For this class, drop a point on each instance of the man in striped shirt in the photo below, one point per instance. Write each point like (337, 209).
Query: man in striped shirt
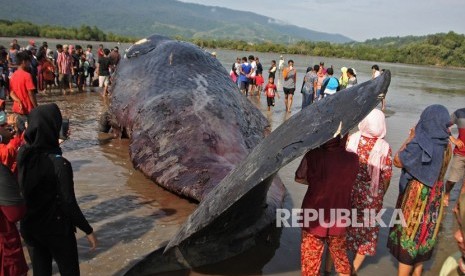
(65, 69)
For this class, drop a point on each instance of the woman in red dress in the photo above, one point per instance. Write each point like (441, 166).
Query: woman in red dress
(374, 176)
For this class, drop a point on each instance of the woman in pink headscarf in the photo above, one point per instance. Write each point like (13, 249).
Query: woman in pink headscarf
(372, 182)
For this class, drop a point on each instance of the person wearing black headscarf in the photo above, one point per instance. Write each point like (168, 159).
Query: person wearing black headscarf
(46, 180)
(423, 158)
(12, 209)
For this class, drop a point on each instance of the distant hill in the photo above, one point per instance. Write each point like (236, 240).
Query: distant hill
(140, 18)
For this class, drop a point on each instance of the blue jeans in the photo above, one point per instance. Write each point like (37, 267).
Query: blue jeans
(307, 99)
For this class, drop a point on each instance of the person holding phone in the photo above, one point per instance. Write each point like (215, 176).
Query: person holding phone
(46, 181)
(290, 79)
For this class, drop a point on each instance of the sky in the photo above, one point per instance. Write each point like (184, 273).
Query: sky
(359, 19)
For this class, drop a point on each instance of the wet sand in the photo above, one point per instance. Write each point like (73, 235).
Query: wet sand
(132, 216)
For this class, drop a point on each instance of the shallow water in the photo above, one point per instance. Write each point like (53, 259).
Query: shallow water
(132, 216)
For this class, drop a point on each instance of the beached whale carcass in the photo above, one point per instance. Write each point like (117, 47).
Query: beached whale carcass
(195, 134)
(189, 126)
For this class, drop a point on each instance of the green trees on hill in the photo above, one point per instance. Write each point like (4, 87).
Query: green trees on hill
(21, 28)
(442, 49)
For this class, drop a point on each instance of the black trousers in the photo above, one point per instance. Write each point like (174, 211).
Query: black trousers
(61, 248)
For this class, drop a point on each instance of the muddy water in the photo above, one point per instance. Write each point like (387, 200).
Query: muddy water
(132, 216)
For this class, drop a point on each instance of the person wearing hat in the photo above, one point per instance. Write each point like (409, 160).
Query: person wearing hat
(214, 54)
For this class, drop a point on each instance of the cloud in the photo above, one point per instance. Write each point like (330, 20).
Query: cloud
(277, 22)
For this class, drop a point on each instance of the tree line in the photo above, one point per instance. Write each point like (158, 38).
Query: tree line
(84, 32)
(442, 49)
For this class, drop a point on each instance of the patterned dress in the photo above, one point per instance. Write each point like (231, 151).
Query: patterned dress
(362, 240)
(422, 208)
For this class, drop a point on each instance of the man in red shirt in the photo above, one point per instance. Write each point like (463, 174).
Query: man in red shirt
(22, 87)
(100, 53)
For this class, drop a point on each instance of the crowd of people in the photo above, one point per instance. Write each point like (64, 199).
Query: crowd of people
(318, 82)
(364, 166)
(37, 186)
(65, 68)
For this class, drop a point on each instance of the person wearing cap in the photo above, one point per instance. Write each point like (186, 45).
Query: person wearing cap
(352, 75)
(214, 54)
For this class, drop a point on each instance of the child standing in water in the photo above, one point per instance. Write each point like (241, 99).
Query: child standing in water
(259, 82)
(270, 92)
